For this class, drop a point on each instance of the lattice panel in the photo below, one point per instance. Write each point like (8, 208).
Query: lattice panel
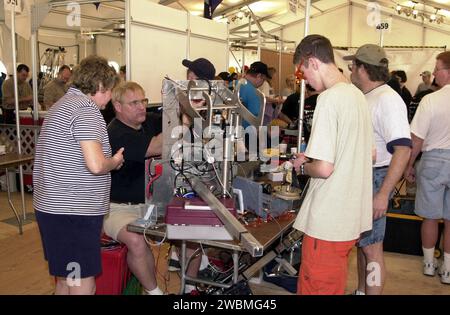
(8, 136)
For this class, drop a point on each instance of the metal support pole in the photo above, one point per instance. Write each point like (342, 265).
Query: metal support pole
(188, 35)
(301, 101)
(128, 39)
(228, 47)
(16, 101)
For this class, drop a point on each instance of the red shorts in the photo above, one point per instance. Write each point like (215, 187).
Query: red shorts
(323, 270)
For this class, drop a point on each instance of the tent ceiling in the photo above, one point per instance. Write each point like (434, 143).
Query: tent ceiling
(272, 15)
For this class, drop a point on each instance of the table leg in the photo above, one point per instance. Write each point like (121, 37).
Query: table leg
(183, 266)
(8, 188)
(235, 266)
(22, 193)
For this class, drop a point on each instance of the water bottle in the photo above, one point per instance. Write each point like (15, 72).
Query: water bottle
(303, 145)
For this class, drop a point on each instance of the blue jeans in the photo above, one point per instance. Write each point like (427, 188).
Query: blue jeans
(375, 235)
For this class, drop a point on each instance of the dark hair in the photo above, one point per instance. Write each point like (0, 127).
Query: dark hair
(23, 67)
(375, 73)
(64, 67)
(445, 58)
(395, 85)
(310, 88)
(92, 73)
(401, 74)
(316, 46)
(123, 69)
(224, 75)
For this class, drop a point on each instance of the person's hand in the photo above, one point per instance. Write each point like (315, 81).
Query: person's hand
(118, 159)
(300, 159)
(410, 174)
(380, 205)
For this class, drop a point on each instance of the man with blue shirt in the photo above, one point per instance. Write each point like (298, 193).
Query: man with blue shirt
(255, 76)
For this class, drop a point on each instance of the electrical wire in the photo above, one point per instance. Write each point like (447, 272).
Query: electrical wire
(149, 242)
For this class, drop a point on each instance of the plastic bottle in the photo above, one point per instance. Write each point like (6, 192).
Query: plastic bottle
(303, 145)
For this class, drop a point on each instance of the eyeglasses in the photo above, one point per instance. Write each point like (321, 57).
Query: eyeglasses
(298, 72)
(143, 102)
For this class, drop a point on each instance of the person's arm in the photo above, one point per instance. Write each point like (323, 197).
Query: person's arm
(417, 144)
(284, 117)
(96, 161)
(48, 99)
(155, 146)
(313, 168)
(395, 171)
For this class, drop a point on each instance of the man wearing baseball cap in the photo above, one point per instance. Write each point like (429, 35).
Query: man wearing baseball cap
(393, 146)
(255, 76)
(426, 84)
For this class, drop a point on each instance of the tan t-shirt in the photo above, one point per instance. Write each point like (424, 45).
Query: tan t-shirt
(23, 88)
(339, 208)
(53, 91)
(432, 120)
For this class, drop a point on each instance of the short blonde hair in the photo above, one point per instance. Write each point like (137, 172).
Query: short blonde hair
(120, 90)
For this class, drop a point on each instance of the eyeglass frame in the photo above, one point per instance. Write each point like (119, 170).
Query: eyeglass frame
(144, 101)
(437, 70)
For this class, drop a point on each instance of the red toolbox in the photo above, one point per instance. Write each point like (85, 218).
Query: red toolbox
(193, 219)
(115, 272)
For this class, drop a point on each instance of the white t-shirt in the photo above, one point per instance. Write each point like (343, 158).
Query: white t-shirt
(432, 120)
(339, 208)
(390, 122)
(265, 88)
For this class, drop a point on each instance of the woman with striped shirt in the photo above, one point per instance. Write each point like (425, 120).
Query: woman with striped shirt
(71, 177)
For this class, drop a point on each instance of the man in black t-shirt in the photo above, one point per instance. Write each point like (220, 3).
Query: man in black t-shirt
(140, 135)
(290, 109)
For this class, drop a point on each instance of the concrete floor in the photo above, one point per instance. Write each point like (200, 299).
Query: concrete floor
(23, 269)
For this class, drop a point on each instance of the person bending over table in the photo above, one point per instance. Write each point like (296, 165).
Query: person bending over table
(71, 178)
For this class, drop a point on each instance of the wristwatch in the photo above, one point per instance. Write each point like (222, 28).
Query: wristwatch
(302, 169)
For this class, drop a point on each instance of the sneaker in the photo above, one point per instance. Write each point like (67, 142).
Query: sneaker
(174, 265)
(445, 275)
(357, 292)
(429, 269)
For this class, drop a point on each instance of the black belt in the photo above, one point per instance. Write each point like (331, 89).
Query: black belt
(380, 167)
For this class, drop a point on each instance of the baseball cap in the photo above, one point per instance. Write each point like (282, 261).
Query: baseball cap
(426, 73)
(259, 67)
(202, 68)
(370, 54)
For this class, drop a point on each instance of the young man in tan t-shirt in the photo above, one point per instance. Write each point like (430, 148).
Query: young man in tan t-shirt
(338, 158)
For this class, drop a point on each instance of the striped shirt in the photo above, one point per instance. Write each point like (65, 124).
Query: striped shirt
(62, 182)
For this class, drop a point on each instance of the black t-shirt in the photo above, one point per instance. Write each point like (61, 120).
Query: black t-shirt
(128, 183)
(290, 105)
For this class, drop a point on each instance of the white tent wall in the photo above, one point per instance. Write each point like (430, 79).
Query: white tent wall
(244, 57)
(69, 40)
(112, 48)
(5, 42)
(54, 39)
(159, 42)
(336, 23)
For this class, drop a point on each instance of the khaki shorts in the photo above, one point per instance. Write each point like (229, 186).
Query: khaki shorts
(120, 215)
(433, 185)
